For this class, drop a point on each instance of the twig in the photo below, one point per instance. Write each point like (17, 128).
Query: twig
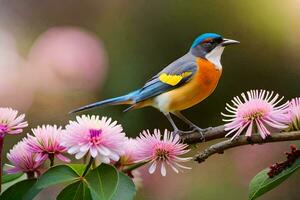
(133, 167)
(87, 168)
(243, 140)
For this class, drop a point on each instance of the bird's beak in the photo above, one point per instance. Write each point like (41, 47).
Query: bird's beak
(229, 42)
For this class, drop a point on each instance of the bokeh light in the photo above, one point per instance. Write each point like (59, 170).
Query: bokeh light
(14, 84)
(68, 58)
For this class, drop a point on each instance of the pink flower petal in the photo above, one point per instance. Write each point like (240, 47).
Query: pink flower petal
(23, 160)
(10, 123)
(160, 149)
(63, 158)
(163, 170)
(257, 107)
(102, 138)
(152, 168)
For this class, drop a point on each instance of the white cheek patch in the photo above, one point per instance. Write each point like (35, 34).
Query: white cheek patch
(215, 56)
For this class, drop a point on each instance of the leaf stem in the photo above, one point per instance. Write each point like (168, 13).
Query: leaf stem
(84, 159)
(51, 158)
(88, 166)
(133, 167)
(30, 175)
(1, 147)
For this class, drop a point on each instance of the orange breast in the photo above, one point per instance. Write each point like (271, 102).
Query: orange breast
(201, 86)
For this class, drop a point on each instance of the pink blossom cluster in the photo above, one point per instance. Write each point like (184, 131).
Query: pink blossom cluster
(30, 154)
(97, 137)
(104, 139)
(101, 138)
(260, 111)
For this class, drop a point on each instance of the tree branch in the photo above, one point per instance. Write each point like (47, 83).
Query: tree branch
(212, 134)
(219, 132)
(242, 140)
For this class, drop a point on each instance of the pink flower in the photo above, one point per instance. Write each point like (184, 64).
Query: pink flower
(102, 138)
(22, 159)
(10, 123)
(294, 114)
(130, 151)
(256, 110)
(46, 143)
(161, 151)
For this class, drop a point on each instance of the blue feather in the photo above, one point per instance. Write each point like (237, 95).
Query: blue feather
(111, 101)
(204, 36)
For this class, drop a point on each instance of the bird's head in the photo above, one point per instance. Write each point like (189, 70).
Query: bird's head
(210, 46)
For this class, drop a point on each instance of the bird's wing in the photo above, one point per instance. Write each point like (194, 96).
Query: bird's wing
(173, 76)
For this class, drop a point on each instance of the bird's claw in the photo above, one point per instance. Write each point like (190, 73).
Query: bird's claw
(181, 133)
(208, 129)
(202, 131)
(194, 129)
(202, 134)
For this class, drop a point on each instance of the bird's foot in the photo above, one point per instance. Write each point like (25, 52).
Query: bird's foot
(194, 129)
(202, 131)
(181, 133)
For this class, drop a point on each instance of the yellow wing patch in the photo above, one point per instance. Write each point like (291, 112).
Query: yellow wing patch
(173, 79)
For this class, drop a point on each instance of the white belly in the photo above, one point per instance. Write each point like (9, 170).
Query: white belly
(162, 102)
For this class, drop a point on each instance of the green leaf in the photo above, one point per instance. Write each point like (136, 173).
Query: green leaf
(102, 182)
(261, 183)
(126, 189)
(10, 177)
(5, 186)
(24, 190)
(57, 175)
(76, 191)
(78, 168)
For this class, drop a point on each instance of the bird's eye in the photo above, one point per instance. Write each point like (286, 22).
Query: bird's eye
(208, 43)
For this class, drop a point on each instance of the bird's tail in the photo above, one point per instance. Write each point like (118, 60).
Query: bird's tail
(125, 99)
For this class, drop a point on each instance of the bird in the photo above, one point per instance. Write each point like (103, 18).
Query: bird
(180, 85)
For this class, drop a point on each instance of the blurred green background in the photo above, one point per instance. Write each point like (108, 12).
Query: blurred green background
(58, 55)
